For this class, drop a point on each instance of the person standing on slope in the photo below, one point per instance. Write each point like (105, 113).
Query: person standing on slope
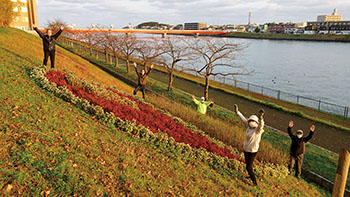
(297, 148)
(202, 105)
(49, 42)
(142, 80)
(255, 128)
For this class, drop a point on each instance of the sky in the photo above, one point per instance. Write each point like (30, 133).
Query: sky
(83, 13)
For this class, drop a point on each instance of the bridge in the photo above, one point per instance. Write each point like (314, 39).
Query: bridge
(149, 31)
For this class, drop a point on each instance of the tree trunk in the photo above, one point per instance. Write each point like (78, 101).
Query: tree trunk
(127, 64)
(171, 77)
(171, 80)
(91, 51)
(206, 90)
(106, 56)
(116, 60)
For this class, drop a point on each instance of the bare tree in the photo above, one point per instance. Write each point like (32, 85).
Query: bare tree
(102, 42)
(148, 51)
(90, 39)
(128, 47)
(56, 25)
(214, 53)
(174, 51)
(113, 43)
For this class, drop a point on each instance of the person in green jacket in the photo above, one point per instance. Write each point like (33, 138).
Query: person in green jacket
(202, 105)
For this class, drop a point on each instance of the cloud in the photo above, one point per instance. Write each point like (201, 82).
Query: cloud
(121, 12)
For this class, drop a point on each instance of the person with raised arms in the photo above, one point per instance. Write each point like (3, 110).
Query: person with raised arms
(142, 80)
(202, 105)
(49, 42)
(255, 128)
(297, 148)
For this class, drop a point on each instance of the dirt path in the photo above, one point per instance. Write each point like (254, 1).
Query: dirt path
(327, 137)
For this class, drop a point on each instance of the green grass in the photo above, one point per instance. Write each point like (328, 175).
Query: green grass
(48, 146)
(316, 160)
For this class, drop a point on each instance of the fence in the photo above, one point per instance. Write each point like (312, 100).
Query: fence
(281, 95)
(277, 94)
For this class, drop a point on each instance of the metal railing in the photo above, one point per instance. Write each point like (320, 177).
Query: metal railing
(281, 95)
(269, 92)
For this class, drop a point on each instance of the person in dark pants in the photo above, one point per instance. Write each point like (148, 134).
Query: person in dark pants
(255, 128)
(49, 42)
(297, 149)
(142, 80)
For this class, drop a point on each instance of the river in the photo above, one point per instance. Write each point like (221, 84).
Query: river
(318, 70)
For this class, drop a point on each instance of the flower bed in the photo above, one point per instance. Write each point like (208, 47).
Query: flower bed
(155, 126)
(153, 119)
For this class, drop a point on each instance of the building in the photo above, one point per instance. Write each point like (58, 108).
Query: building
(26, 14)
(195, 26)
(281, 27)
(326, 18)
(330, 27)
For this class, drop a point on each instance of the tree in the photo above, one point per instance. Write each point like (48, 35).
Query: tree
(257, 30)
(128, 47)
(148, 51)
(214, 53)
(56, 25)
(174, 51)
(113, 43)
(90, 39)
(7, 14)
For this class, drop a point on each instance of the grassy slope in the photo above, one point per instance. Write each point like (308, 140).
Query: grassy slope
(316, 159)
(333, 120)
(48, 145)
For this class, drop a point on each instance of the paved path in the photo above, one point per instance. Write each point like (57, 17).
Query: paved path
(327, 137)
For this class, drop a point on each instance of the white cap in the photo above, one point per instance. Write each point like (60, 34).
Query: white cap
(202, 98)
(254, 118)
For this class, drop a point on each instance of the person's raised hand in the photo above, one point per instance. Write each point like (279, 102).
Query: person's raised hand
(135, 65)
(62, 27)
(261, 113)
(291, 123)
(236, 108)
(312, 128)
(193, 97)
(152, 66)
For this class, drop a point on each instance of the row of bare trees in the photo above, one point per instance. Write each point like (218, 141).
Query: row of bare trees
(173, 53)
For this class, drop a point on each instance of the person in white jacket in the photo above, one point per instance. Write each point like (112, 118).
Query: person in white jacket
(255, 128)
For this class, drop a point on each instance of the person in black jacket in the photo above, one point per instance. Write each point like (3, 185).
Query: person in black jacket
(297, 148)
(49, 42)
(142, 80)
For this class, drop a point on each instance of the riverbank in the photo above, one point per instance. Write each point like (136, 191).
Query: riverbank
(317, 160)
(293, 37)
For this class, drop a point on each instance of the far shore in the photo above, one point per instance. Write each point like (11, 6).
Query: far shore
(317, 38)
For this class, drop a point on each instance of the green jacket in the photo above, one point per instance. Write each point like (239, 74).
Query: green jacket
(202, 107)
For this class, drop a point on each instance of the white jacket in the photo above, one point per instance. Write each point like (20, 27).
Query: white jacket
(252, 136)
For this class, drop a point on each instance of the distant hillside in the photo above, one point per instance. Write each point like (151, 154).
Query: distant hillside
(151, 24)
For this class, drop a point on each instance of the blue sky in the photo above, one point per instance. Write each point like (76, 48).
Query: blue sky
(83, 13)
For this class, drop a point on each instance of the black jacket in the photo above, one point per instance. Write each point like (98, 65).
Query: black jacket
(298, 144)
(48, 42)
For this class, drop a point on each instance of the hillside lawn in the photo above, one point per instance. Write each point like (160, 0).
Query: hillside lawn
(48, 146)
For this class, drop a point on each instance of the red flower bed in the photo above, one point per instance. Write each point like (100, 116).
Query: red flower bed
(155, 120)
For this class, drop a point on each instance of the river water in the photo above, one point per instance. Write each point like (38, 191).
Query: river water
(318, 70)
